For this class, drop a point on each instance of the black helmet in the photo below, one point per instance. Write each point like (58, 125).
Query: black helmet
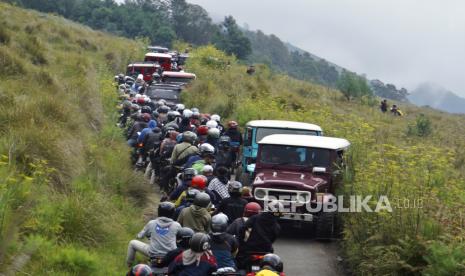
(166, 209)
(191, 194)
(199, 243)
(224, 141)
(171, 116)
(140, 270)
(235, 187)
(219, 223)
(188, 174)
(155, 114)
(146, 109)
(202, 200)
(183, 237)
(163, 109)
(272, 261)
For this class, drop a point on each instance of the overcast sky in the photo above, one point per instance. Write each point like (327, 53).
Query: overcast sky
(404, 42)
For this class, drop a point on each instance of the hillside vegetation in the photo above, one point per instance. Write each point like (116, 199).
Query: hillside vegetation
(422, 175)
(68, 198)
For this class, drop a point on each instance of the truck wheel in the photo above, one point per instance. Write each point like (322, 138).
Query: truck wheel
(325, 228)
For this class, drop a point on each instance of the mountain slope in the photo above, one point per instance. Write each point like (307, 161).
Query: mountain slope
(67, 193)
(435, 96)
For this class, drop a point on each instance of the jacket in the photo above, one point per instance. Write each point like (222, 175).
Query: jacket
(196, 218)
(162, 233)
(183, 151)
(189, 263)
(263, 230)
(224, 246)
(233, 207)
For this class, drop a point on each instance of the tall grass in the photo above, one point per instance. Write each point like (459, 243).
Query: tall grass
(422, 175)
(68, 197)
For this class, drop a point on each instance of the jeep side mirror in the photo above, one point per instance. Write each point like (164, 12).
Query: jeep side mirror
(319, 170)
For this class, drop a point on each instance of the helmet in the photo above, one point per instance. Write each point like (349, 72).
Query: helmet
(219, 223)
(163, 109)
(187, 113)
(235, 187)
(183, 236)
(146, 117)
(252, 208)
(207, 169)
(166, 209)
(188, 174)
(195, 114)
(155, 76)
(225, 141)
(202, 130)
(189, 137)
(206, 149)
(127, 104)
(171, 116)
(191, 194)
(140, 270)
(135, 107)
(214, 133)
(232, 124)
(180, 107)
(274, 207)
(199, 182)
(146, 109)
(199, 242)
(195, 109)
(212, 124)
(216, 117)
(173, 134)
(140, 100)
(177, 114)
(202, 200)
(272, 261)
(155, 114)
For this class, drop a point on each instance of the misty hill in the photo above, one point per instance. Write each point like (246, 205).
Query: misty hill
(438, 97)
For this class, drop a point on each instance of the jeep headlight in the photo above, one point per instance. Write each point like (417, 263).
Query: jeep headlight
(303, 197)
(260, 194)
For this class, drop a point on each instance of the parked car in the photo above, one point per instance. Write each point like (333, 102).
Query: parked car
(302, 172)
(257, 130)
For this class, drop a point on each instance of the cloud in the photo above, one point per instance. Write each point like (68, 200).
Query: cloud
(404, 42)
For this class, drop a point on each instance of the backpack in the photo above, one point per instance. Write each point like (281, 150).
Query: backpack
(167, 149)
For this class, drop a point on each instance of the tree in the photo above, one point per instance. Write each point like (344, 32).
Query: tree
(353, 86)
(231, 39)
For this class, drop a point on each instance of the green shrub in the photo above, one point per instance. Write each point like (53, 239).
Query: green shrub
(422, 126)
(445, 259)
(74, 261)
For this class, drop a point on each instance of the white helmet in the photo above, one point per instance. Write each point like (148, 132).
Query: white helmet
(206, 148)
(187, 113)
(140, 77)
(212, 124)
(214, 133)
(176, 114)
(180, 107)
(215, 117)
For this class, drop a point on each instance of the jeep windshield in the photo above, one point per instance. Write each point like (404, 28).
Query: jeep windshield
(165, 94)
(262, 132)
(281, 155)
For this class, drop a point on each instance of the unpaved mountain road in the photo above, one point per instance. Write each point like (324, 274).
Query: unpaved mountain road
(303, 256)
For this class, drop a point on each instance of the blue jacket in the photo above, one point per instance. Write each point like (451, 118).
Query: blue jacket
(152, 125)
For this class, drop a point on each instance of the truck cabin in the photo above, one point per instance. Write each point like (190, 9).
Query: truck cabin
(157, 49)
(298, 162)
(147, 69)
(258, 129)
(163, 59)
(181, 78)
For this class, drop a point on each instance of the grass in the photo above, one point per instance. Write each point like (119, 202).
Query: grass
(69, 201)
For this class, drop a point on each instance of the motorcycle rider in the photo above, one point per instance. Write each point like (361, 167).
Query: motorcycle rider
(250, 209)
(219, 184)
(223, 245)
(236, 138)
(186, 178)
(185, 124)
(185, 149)
(198, 182)
(183, 238)
(213, 137)
(234, 205)
(217, 118)
(224, 154)
(139, 125)
(208, 158)
(271, 265)
(197, 216)
(198, 260)
(161, 232)
(204, 149)
(260, 232)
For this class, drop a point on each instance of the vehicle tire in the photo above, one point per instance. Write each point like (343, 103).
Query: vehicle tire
(325, 228)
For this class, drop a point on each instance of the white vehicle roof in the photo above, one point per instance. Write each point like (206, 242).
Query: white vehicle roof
(322, 142)
(283, 124)
(160, 55)
(175, 74)
(144, 64)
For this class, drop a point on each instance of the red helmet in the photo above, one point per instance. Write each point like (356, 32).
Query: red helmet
(146, 117)
(232, 124)
(199, 182)
(202, 130)
(252, 208)
(140, 100)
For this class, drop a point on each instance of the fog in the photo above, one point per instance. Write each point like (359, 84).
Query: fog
(404, 42)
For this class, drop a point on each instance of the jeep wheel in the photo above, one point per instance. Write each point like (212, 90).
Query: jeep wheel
(325, 228)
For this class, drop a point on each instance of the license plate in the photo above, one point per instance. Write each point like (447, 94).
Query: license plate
(255, 268)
